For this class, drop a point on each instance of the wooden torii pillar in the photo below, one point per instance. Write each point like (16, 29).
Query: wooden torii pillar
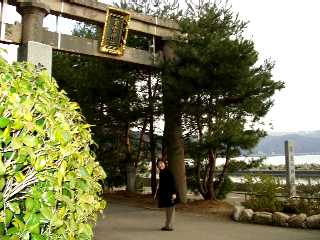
(36, 45)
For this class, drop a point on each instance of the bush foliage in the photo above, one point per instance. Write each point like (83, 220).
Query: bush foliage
(263, 190)
(49, 179)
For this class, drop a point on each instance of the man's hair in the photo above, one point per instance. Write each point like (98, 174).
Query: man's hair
(160, 160)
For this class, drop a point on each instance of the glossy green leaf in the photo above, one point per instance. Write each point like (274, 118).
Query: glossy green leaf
(33, 223)
(22, 158)
(29, 202)
(8, 155)
(8, 216)
(83, 185)
(40, 123)
(50, 140)
(48, 198)
(4, 122)
(38, 237)
(2, 228)
(14, 232)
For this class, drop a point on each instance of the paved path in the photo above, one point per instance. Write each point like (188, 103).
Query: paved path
(130, 223)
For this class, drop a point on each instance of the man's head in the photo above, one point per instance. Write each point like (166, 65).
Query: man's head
(161, 164)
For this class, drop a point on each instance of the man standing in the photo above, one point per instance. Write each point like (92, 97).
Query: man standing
(167, 194)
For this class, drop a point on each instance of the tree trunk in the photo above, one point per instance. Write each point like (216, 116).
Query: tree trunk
(131, 170)
(173, 148)
(223, 174)
(151, 98)
(199, 181)
(140, 146)
(202, 188)
(210, 182)
(153, 159)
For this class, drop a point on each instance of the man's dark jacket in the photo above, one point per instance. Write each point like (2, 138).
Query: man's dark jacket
(167, 187)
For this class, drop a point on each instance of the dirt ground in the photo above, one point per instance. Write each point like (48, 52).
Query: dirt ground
(193, 206)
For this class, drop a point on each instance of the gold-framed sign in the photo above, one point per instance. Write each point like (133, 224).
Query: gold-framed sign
(115, 31)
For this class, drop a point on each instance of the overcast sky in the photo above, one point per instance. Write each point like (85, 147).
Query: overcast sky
(288, 32)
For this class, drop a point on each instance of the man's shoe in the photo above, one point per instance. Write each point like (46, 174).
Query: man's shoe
(166, 229)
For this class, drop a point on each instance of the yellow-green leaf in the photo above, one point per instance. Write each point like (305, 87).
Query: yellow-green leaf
(2, 167)
(40, 163)
(2, 183)
(20, 177)
(16, 143)
(28, 117)
(6, 135)
(47, 213)
(83, 172)
(62, 136)
(18, 224)
(30, 141)
(85, 229)
(14, 207)
(17, 125)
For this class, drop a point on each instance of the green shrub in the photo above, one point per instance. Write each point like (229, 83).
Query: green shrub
(309, 190)
(263, 190)
(226, 187)
(49, 180)
(308, 206)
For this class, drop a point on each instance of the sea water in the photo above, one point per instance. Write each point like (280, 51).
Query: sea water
(280, 160)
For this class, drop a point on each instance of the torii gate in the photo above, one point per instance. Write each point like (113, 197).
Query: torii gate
(34, 11)
(37, 43)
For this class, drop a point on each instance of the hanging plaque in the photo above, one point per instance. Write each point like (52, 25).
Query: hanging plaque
(115, 32)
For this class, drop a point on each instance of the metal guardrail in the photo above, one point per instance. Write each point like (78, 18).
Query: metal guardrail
(276, 173)
(246, 194)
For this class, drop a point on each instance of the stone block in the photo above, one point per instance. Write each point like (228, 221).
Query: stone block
(297, 221)
(262, 218)
(237, 212)
(246, 215)
(280, 219)
(313, 221)
(37, 53)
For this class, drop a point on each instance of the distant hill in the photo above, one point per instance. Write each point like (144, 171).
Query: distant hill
(304, 143)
